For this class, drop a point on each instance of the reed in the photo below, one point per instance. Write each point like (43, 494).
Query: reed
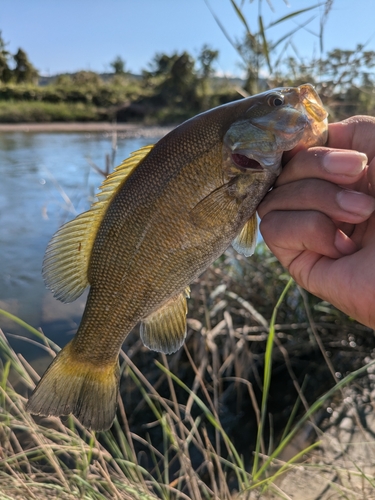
(177, 434)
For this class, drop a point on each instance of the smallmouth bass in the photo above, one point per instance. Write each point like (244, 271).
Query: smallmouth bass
(161, 218)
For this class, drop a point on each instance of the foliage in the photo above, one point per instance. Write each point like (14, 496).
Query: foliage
(186, 424)
(85, 87)
(5, 71)
(34, 111)
(118, 66)
(206, 58)
(23, 72)
(260, 54)
(177, 86)
(345, 80)
(173, 79)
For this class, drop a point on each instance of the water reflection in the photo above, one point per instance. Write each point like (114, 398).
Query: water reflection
(46, 179)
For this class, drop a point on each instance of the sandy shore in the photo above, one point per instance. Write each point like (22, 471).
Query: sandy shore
(128, 129)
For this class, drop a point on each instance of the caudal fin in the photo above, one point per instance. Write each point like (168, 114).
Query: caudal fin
(88, 390)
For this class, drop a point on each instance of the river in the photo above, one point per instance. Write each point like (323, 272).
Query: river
(46, 180)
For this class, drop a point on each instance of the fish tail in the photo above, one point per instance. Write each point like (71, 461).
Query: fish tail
(84, 388)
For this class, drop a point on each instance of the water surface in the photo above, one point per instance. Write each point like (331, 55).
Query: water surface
(46, 180)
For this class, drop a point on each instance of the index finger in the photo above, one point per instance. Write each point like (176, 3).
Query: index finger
(357, 132)
(339, 166)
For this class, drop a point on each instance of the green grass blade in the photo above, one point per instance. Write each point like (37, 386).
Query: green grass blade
(211, 418)
(285, 467)
(242, 19)
(267, 375)
(221, 26)
(291, 33)
(266, 51)
(293, 14)
(314, 407)
(30, 328)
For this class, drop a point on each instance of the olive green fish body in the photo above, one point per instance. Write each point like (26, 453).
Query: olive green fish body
(158, 248)
(161, 219)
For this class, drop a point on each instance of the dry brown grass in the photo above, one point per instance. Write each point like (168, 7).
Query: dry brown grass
(187, 424)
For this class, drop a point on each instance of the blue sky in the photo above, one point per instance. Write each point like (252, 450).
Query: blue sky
(69, 35)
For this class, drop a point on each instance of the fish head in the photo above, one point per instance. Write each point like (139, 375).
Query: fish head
(270, 123)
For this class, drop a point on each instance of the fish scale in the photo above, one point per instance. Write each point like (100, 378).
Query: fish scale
(162, 217)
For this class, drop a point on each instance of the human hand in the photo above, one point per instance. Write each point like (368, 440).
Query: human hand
(319, 219)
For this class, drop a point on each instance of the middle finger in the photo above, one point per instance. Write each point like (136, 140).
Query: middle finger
(340, 204)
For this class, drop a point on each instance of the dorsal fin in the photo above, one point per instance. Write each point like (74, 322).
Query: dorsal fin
(68, 253)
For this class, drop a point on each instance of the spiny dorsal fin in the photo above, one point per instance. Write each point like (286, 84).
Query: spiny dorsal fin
(165, 329)
(246, 241)
(68, 253)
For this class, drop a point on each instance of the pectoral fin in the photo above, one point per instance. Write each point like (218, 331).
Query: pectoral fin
(246, 241)
(165, 329)
(216, 209)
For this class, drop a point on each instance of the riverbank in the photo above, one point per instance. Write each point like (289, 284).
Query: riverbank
(128, 129)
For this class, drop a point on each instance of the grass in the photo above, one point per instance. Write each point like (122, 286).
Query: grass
(36, 111)
(201, 424)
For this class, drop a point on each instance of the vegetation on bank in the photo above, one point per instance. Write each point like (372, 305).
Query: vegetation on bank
(210, 421)
(177, 86)
(174, 88)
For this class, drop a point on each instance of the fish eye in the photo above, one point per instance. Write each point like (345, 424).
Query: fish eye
(276, 100)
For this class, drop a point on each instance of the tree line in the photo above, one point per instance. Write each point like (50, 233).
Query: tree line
(176, 86)
(173, 87)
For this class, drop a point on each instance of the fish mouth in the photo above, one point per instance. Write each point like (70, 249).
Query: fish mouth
(311, 105)
(245, 163)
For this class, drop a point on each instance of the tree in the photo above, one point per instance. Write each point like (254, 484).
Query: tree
(180, 84)
(84, 78)
(5, 71)
(24, 72)
(118, 66)
(160, 65)
(206, 58)
(174, 78)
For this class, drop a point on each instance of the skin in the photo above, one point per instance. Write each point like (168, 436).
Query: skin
(319, 219)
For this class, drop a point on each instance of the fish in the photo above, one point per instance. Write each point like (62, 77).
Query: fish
(160, 219)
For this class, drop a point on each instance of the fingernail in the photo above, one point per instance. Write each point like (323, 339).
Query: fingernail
(344, 162)
(356, 203)
(344, 244)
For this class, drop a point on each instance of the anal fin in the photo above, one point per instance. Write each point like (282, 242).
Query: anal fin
(165, 329)
(246, 241)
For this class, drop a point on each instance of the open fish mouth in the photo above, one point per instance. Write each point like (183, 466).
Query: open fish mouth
(245, 163)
